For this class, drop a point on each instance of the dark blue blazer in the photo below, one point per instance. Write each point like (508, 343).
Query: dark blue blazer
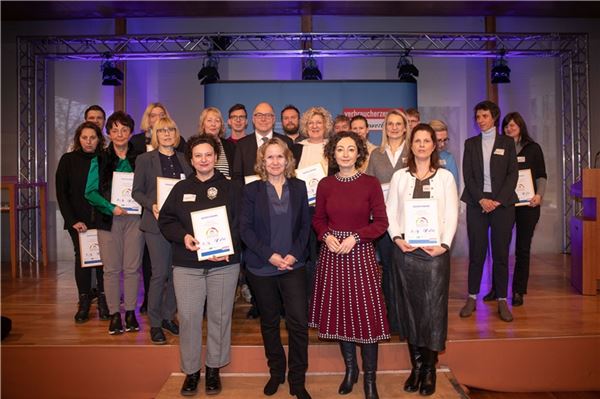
(255, 222)
(504, 171)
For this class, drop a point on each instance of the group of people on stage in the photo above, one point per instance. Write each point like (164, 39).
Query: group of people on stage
(313, 262)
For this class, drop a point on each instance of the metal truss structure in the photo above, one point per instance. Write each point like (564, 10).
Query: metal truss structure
(34, 52)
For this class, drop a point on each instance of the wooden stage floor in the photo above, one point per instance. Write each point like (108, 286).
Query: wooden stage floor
(552, 345)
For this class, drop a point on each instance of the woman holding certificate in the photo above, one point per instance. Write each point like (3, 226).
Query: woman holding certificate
(71, 176)
(383, 162)
(274, 225)
(211, 122)
(529, 157)
(155, 171)
(200, 219)
(422, 206)
(347, 303)
(108, 190)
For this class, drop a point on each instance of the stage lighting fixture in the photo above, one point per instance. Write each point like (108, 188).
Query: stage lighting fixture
(111, 75)
(406, 70)
(500, 70)
(310, 71)
(209, 72)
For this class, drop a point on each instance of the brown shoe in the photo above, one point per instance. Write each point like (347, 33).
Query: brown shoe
(504, 312)
(469, 308)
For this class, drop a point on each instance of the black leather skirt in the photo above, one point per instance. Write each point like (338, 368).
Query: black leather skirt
(421, 283)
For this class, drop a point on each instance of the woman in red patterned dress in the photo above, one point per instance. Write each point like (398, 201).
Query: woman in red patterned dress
(347, 303)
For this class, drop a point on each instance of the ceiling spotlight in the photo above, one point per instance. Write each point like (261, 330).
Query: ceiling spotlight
(111, 75)
(500, 70)
(406, 70)
(310, 71)
(209, 72)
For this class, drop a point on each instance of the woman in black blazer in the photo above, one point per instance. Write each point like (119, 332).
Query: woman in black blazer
(274, 225)
(164, 161)
(211, 122)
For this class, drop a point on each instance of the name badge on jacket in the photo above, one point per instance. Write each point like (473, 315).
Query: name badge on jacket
(520, 159)
(499, 151)
(189, 197)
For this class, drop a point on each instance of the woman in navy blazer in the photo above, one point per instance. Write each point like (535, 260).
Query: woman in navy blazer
(275, 225)
(164, 161)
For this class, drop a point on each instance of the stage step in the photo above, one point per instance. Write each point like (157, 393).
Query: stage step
(322, 386)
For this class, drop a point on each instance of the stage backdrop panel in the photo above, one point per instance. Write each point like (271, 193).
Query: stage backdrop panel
(371, 98)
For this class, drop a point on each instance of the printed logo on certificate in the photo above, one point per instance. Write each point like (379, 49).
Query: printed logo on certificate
(311, 175)
(120, 194)
(164, 185)
(421, 222)
(89, 248)
(211, 229)
(524, 190)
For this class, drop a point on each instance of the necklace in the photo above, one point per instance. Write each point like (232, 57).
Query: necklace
(424, 176)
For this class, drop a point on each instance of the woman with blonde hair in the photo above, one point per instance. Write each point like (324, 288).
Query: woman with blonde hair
(316, 125)
(275, 225)
(211, 123)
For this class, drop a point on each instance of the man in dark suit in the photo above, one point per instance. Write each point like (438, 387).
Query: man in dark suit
(263, 119)
(490, 173)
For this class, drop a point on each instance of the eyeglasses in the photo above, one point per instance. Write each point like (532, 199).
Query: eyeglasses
(263, 116)
(166, 129)
(443, 140)
(238, 117)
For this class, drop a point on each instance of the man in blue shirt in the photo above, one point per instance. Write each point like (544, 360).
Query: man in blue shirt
(447, 160)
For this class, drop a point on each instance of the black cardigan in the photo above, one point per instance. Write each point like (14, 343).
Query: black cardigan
(532, 157)
(175, 221)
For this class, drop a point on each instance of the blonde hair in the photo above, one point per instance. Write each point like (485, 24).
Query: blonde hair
(384, 139)
(438, 125)
(309, 113)
(204, 115)
(164, 123)
(145, 124)
(259, 166)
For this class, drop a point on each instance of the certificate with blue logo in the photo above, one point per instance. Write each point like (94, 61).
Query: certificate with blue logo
(421, 222)
(211, 229)
(122, 184)
(89, 248)
(311, 175)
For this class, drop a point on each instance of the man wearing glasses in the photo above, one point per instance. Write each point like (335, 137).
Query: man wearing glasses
(447, 160)
(237, 122)
(263, 119)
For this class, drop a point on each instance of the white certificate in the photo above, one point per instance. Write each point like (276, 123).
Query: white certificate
(386, 190)
(164, 185)
(250, 178)
(524, 190)
(89, 248)
(211, 229)
(421, 222)
(120, 194)
(311, 175)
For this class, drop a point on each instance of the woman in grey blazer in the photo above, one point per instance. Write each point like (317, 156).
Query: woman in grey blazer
(164, 161)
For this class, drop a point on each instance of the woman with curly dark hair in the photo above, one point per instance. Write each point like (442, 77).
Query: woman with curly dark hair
(347, 303)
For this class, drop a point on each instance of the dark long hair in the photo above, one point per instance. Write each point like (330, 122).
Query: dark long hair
(88, 125)
(434, 158)
(518, 119)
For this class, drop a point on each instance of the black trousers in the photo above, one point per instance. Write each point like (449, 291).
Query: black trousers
(273, 292)
(500, 223)
(526, 219)
(83, 275)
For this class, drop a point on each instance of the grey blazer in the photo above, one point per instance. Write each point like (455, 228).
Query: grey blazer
(147, 169)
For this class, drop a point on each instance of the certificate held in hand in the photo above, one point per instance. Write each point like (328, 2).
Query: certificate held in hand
(211, 229)
(311, 175)
(164, 185)
(421, 222)
(89, 249)
(120, 194)
(524, 189)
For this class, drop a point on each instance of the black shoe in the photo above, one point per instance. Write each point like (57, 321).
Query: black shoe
(414, 379)
(273, 385)
(144, 308)
(212, 381)
(428, 376)
(490, 296)
(351, 377)
(116, 325)
(300, 392)
(157, 336)
(369, 357)
(131, 323)
(103, 312)
(517, 299)
(171, 327)
(83, 309)
(253, 313)
(190, 385)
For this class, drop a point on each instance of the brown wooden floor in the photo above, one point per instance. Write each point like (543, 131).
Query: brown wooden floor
(42, 303)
